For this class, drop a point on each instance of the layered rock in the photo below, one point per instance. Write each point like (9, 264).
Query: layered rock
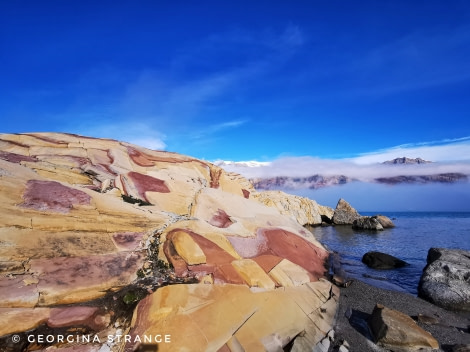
(305, 211)
(445, 279)
(344, 213)
(90, 226)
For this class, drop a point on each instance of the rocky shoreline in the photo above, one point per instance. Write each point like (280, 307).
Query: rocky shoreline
(357, 301)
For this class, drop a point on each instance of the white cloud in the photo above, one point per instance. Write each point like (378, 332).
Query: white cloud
(450, 157)
(448, 150)
(138, 133)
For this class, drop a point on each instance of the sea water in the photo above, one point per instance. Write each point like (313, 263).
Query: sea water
(414, 233)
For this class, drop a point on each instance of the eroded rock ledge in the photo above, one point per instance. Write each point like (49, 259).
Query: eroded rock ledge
(93, 228)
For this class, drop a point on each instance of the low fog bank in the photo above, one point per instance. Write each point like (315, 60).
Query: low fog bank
(371, 197)
(308, 166)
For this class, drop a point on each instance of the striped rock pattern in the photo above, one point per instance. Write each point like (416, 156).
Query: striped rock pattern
(83, 221)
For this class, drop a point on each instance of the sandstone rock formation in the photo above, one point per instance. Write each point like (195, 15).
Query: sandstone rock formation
(344, 213)
(90, 227)
(445, 279)
(398, 332)
(383, 261)
(305, 211)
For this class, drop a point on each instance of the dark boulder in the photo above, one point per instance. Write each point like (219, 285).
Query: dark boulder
(383, 261)
(344, 213)
(445, 281)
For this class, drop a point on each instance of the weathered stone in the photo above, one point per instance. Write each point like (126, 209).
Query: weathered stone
(207, 317)
(384, 261)
(187, 248)
(344, 214)
(445, 279)
(84, 219)
(70, 316)
(395, 330)
(367, 223)
(288, 274)
(14, 320)
(385, 221)
(305, 211)
(253, 274)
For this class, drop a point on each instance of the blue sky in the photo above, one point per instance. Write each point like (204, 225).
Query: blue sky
(244, 80)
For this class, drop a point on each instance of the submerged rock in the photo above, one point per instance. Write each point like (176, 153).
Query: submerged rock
(379, 260)
(446, 279)
(344, 213)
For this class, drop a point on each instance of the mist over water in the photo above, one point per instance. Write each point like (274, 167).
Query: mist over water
(374, 197)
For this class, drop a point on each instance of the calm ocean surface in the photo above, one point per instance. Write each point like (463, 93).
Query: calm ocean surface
(410, 240)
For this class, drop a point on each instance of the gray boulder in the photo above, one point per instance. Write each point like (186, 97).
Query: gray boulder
(383, 261)
(385, 221)
(344, 213)
(445, 281)
(367, 223)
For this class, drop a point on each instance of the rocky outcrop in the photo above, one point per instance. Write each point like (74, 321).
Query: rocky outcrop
(367, 223)
(305, 211)
(385, 221)
(399, 332)
(445, 279)
(383, 261)
(375, 223)
(344, 213)
(90, 228)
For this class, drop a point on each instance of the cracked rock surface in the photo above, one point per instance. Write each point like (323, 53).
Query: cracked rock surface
(104, 238)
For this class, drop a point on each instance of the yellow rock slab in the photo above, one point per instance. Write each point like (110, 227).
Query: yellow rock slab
(253, 274)
(14, 320)
(187, 248)
(206, 317)
(289, 274)
(16, 244)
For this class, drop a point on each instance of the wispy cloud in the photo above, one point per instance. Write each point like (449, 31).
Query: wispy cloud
(178, 100)
(447, 150)
(212, 129)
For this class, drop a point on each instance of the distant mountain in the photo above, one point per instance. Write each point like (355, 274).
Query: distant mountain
(311, 182)
(317, 181)
(251, 163)
(440, 178)
(404, 160)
